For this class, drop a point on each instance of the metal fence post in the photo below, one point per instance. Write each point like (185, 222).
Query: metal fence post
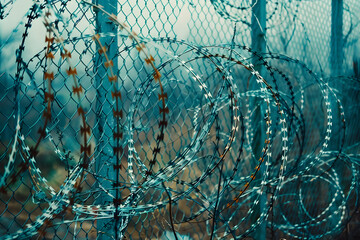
(336, 54)
(258, 44)
(105, 123)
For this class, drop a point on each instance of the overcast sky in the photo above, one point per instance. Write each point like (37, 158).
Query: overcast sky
(197, 21)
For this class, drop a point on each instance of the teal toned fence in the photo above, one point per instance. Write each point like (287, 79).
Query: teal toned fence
(179, 119)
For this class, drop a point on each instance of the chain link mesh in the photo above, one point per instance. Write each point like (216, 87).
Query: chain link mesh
(179, 119)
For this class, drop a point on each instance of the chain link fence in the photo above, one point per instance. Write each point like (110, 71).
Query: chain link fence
(179, 119)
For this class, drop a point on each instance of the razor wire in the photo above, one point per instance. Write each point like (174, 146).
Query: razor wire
(183, 131)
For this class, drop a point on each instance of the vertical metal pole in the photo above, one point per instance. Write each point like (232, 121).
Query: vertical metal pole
(336, 58)
(105, 123)
(258, 26)
(336, 64)
(258, 44)
(336, 54)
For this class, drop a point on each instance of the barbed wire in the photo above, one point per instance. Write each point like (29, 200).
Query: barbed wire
(167, 138)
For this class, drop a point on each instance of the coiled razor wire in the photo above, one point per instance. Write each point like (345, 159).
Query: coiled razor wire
(170, 139)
